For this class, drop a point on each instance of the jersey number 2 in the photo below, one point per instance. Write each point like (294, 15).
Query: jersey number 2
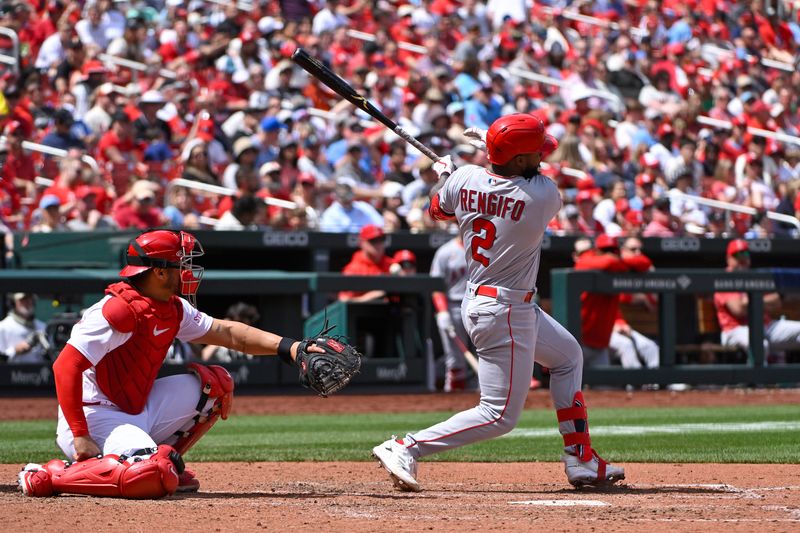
(480, 225)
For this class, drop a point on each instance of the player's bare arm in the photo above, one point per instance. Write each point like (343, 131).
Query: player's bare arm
(246, 339)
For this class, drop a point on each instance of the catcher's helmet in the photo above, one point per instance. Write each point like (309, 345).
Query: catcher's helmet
(166, 249)
(516, 134)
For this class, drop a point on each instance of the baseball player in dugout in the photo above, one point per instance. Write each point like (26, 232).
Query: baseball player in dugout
(125, 430)
(449, 263)
(779, 335)
(603, 328)
(502, 212)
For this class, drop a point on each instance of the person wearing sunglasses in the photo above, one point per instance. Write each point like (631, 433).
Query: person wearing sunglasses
(779, 335)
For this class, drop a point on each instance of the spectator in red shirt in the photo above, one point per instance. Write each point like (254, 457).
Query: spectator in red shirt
(732, 312)
(369, 260)
(600, 312)
(18, 172)
(117, 144)
(137, 209)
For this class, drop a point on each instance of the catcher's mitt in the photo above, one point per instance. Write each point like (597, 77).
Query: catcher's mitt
(327, 372)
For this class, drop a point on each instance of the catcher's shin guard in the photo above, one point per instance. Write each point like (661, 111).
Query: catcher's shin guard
(111, 475)
(217, 383)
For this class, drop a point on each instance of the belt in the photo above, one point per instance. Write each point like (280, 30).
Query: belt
(491, 292)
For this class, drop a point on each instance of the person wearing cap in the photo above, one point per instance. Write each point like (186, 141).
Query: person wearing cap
(731, 307)
(404, 263)
(369, 260)
(391, 203)
(116, 350)
(346, 214)
(756, 150)
(306, 195)
(61, 136)
(588, 225)
(245, 156)
(48, 217)
(645, 184)
(149, 104)
(600, 313)
(85, 216)
(449, 263)
(98, 117)
(267, 139)
(137, 209)
(22, 335)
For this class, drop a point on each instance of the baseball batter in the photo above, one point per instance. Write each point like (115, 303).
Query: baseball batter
(449, 263)
(502, 213)
(125, 429)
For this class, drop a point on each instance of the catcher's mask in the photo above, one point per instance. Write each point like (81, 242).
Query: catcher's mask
(166, 249)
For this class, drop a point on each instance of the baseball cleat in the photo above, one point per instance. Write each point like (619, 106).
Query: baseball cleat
(592, 473)
(187, 482)
(35, 481)
(402, 467)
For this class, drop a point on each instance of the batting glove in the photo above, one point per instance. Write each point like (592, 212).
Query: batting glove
(444, 166)
(445, 322)
(477, 138)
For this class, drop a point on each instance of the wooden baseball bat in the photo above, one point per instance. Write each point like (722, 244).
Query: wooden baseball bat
(472, 361)
(346, 91)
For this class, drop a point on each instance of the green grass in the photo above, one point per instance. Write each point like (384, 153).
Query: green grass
(350, 437)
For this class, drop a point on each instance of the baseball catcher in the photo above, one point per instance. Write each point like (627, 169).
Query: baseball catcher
(126, 431)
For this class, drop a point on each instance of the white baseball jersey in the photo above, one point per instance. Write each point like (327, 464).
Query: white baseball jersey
(449, 263)
(94, 337)
(502, 221)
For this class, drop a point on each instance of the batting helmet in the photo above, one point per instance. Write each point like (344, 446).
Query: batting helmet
(166, 249)
(516, 134)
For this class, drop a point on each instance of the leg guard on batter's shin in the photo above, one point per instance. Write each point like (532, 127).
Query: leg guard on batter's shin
(583, 466)
(580, 437)
(138, 477)
(216, 383)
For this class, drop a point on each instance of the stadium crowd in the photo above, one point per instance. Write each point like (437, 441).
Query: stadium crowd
(139, 94)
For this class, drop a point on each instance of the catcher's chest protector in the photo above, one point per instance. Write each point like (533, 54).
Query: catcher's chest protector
(127, 373)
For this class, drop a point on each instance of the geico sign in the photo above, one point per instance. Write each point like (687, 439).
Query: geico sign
(680, 245)
(296, 238)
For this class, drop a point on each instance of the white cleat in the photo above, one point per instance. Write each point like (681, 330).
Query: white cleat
(592, 473)
(402, 467)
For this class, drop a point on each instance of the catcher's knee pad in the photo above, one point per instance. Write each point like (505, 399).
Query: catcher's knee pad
(142, 477)
(580, 436)
(215, 382)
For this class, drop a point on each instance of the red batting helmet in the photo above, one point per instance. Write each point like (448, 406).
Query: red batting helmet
(517, 134)
(166, 249)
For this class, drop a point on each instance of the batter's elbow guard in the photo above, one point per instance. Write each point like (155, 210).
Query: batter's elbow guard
(215, 382)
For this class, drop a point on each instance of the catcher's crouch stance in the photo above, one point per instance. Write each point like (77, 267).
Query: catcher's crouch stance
(126, 430)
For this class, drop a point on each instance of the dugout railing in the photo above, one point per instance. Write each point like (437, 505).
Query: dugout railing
(675, 317)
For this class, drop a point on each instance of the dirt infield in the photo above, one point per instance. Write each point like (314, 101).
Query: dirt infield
(456, 497)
